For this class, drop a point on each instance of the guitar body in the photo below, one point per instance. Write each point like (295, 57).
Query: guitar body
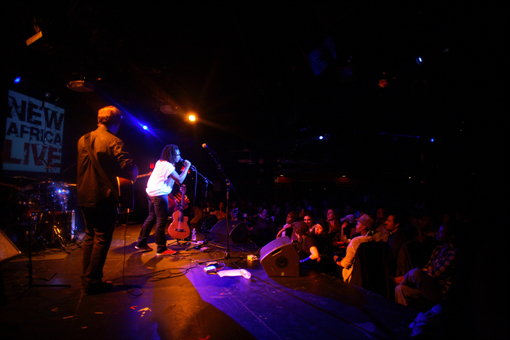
(127, 194)
(179, 228)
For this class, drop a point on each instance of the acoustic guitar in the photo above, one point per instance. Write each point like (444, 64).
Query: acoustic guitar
(127, 193)
(179, 228)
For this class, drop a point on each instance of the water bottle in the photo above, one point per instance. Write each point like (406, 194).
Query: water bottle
(246, 274)
(194, 235)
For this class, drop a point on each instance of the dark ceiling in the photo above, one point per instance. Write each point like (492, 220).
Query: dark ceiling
(243, 68)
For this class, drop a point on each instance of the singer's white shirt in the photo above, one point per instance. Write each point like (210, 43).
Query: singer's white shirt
(160, 183)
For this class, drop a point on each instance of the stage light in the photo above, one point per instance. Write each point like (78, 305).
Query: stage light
(17, 80)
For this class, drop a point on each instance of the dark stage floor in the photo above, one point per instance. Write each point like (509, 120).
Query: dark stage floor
(158, 297)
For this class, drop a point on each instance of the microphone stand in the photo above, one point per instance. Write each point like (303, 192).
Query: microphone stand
(226, 256)
(207, 182)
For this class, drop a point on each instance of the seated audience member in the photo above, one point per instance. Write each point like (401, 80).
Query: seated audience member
(234, 211)
(306, 247)
(277, 215)
(416, 252)
(288, 228)
(249, 214)
(324, 243)
(309, 219)
(264, 230)
(365, 224)
(423, 227)
(433, 280)
(221, 212)
(302, 213)
(380, 233)
(335, 228)
(396, 236)
(348, 227)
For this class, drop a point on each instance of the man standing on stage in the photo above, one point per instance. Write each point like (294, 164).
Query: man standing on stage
(101, 158)
(159, 186)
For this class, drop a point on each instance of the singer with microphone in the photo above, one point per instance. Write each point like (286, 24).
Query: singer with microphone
(159, 187)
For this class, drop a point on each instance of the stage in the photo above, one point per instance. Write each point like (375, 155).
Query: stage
(172, 297)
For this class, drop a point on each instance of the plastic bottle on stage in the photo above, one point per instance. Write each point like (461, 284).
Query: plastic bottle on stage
(246, 274)
(194, 235)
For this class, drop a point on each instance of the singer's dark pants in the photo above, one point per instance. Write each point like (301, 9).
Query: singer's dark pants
(158, 215)
(99, 226)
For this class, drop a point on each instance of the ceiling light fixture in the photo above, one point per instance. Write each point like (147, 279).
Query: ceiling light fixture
(80, 86)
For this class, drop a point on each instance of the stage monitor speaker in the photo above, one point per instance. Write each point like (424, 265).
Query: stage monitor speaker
(7, 248)
(280, 258)
(238, 231)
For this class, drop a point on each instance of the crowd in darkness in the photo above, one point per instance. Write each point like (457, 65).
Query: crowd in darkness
(425, 244)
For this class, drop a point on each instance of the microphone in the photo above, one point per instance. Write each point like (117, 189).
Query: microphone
(208, 148)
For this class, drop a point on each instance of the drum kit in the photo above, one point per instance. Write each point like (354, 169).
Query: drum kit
(43, 207)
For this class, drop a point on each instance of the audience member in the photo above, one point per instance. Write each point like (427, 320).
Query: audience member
(234, 211)
(364, 225)
(334, 226)
(263, 230)
(348, 224)
(396, 236)
(306, 247)
(434, 279)
(415, 253)
(302, 213)
(324, 242)
(289, 228)
(309, 219)
(221, 214)
(380, 233)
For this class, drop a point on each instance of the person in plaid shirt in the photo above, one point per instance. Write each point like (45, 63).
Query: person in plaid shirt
(434, 279)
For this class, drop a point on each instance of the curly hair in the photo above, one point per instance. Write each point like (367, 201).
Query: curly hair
(302, 228)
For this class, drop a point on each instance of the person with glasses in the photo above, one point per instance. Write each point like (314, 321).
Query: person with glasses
(159, 187)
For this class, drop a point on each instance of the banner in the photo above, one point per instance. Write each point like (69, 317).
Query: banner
(33, 135)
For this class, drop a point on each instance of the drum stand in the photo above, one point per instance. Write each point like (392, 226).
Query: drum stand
(56, 232)
(30, 272)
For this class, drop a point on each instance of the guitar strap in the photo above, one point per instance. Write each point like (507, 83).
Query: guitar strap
(98, 167)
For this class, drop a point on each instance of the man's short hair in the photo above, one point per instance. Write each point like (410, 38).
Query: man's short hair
(109, 116)
(397, 218)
